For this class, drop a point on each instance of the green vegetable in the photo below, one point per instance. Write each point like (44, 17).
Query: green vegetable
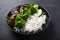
(35, 6)
(7, 19)
(19, 24)
(21, 18)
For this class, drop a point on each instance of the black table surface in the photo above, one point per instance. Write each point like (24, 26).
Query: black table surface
(53, 31)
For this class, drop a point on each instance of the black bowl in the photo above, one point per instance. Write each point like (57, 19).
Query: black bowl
(44, 26)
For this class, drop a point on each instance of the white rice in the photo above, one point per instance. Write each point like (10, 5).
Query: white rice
(34, 23)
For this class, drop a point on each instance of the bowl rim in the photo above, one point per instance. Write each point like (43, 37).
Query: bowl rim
(35, 32)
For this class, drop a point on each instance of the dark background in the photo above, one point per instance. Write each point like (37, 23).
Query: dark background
(53, 31)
